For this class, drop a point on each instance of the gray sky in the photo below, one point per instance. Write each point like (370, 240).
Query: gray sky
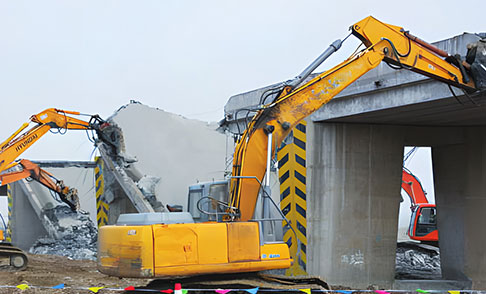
(186, 57)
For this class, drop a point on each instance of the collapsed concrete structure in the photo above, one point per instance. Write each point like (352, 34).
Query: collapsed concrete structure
(167, 151)
(35, 212)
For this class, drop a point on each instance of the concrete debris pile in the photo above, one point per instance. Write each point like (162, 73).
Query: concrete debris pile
(417, 263)
(76, 236)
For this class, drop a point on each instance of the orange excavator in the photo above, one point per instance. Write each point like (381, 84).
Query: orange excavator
(423, 223)
(28, 169)
(12, 170)
(160, 245)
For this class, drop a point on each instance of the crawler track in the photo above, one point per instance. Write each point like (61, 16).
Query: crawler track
(17, 258)
(241, 281)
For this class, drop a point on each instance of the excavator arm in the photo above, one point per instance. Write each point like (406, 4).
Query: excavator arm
(383, 42)
(28, 169)
(412, 186)
(44, 121)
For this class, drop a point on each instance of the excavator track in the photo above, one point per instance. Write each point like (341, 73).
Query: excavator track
(241, 281)
(17, 259)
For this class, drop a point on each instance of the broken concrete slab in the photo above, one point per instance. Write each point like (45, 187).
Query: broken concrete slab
(178, 150)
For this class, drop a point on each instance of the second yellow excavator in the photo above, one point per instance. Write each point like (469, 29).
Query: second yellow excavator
(160, 245)
(12, 170)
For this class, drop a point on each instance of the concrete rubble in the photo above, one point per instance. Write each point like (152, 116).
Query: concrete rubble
(76, 238)
(417, 263)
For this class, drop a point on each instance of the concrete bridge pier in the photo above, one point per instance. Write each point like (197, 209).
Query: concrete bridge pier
(355, 175)
(460, 186)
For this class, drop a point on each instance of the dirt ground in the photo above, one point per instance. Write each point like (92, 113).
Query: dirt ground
(51, 270)
(77, 276)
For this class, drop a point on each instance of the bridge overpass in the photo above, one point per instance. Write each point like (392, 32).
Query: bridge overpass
(354, 161)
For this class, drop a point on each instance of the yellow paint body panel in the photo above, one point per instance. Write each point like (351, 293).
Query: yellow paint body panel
(187, 249)
(243, 241)
(126, 251)
(186, 244)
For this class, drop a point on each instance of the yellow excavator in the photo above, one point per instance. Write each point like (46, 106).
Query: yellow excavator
(158, 245)
(12, 170)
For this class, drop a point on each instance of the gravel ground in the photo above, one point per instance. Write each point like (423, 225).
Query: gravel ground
(51, 270)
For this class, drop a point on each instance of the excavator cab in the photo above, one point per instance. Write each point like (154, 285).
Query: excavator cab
(204, 200)
(423, 223)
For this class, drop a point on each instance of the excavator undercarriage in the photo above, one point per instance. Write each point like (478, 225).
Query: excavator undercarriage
(17, 259)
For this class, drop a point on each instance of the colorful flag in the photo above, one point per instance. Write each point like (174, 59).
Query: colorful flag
(95, 289)
(308, 291)
(60, 286)
(252, 291)
(23, 286)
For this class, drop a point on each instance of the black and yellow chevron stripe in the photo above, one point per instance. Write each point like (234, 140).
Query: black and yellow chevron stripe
(101, 206)
(292, 175)
(8, 235)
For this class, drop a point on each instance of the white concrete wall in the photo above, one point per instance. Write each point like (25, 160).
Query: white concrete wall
(180, 151)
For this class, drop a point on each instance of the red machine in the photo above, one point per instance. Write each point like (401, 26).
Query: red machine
(423, 223)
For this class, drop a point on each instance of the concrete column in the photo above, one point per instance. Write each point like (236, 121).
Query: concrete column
(355, 176)
(460, 189)
(26, 227)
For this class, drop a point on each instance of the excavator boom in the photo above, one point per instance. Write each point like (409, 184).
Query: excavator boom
(44, 121)
(28, 169)
(383, 42)
(412, 186)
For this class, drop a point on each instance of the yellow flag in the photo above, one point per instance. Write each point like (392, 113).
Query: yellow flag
(23, 286)
(454, 292)
(95, 289)
(308, 291)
